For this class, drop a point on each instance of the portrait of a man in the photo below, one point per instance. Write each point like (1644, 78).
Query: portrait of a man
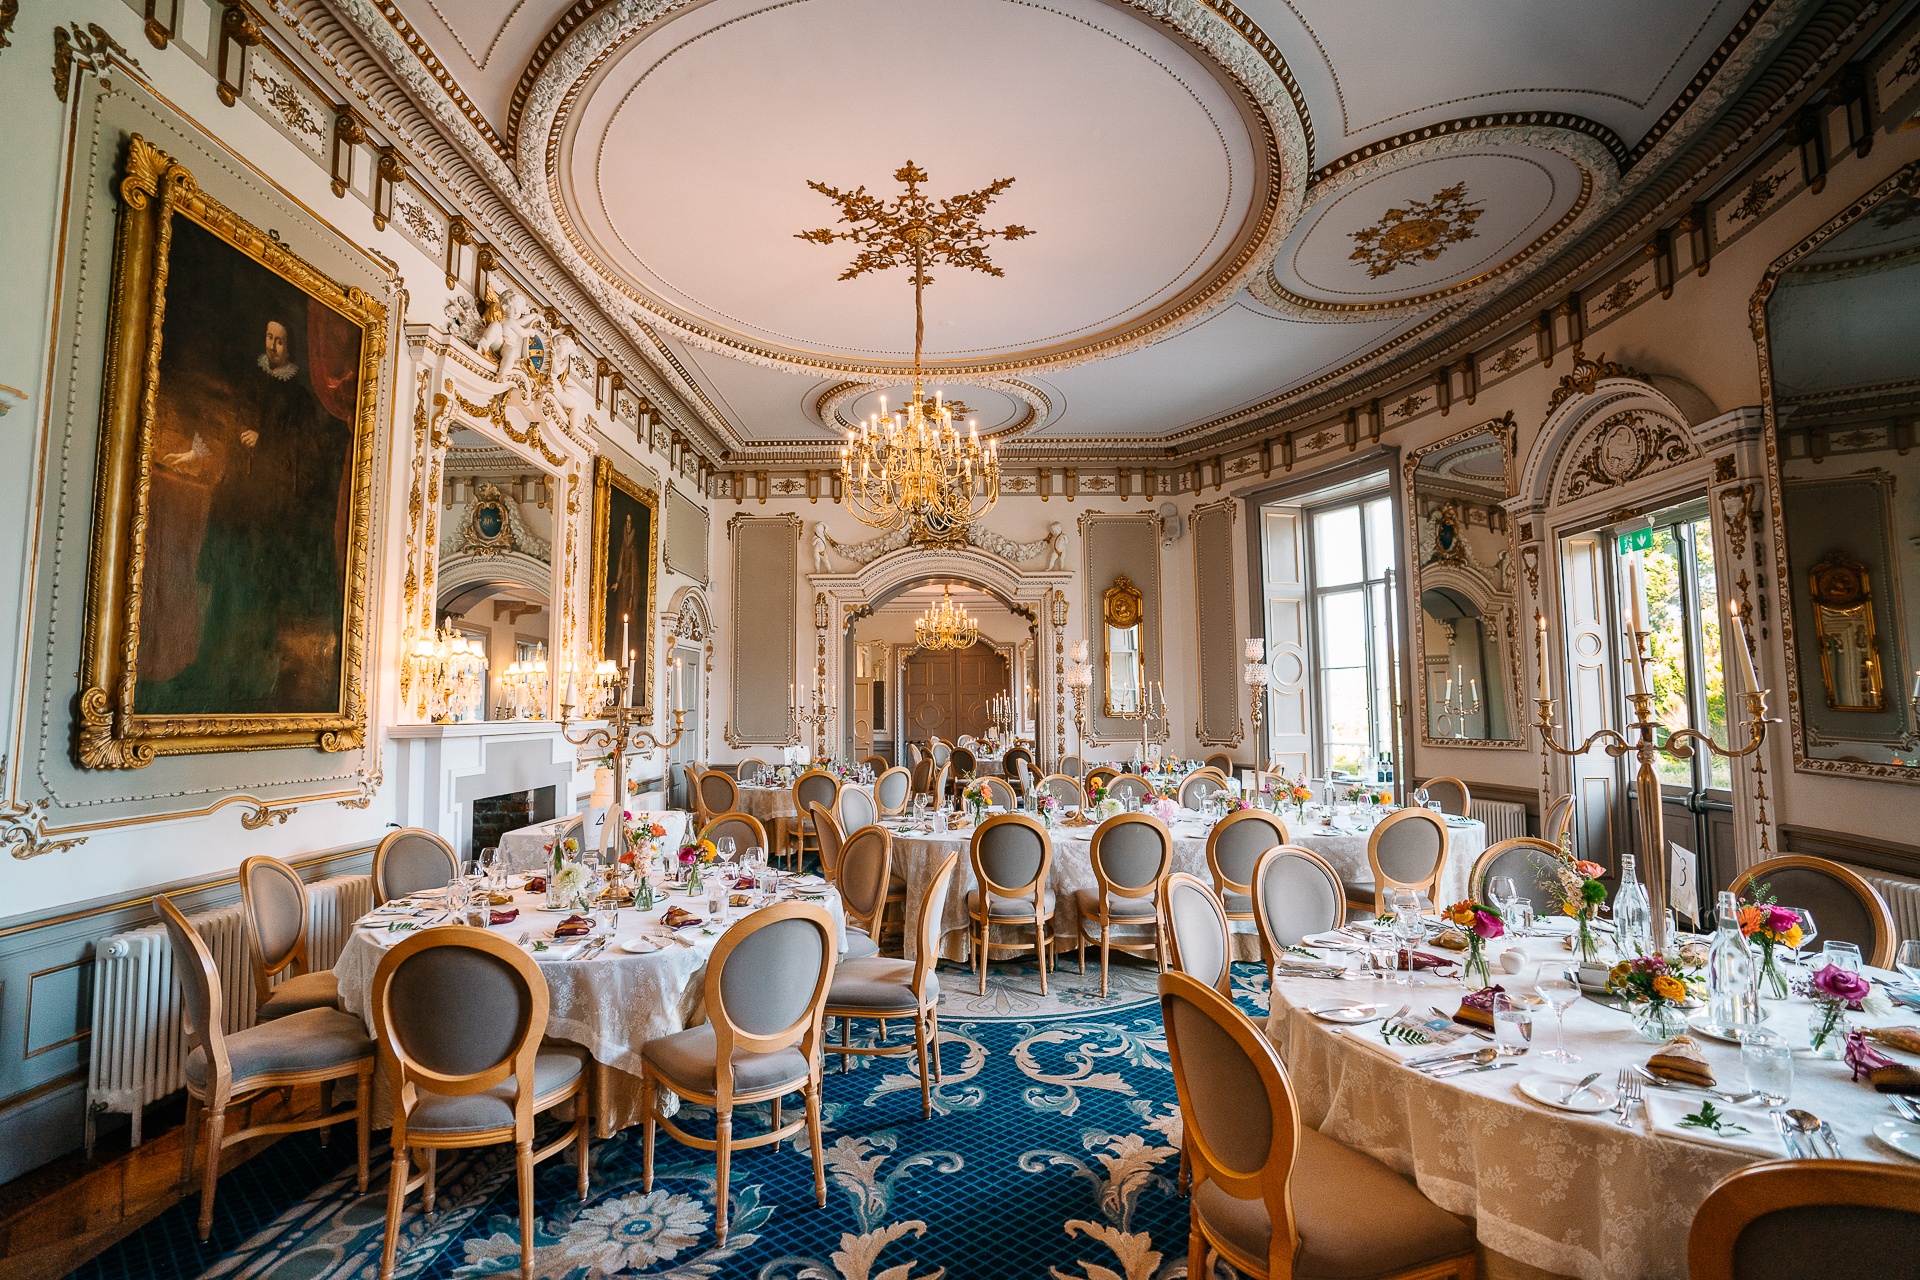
(625, 541)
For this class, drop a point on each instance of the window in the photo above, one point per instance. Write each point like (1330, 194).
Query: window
(1683, 640)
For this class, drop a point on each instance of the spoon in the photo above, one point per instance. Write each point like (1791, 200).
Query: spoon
(1580, 1088)
(1807, 1123)
(1461, 1062)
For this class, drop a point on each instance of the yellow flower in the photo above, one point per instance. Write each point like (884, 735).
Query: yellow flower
(1669, 988)
(1567, 908)
(1791, 937)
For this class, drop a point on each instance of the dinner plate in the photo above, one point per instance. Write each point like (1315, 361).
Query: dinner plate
(642, 945)
(1347, 1012)
(1552, 1091)
(1903, 1138)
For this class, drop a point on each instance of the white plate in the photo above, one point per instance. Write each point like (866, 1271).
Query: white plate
(1901, 1137)
(1552, 1091)
(1348, 1012)
(642, 945)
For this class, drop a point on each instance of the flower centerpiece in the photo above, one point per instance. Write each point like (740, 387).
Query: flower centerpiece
(1654, 988)
(1836, 992)
(1046, 806)
(1104, 805)
(1772, 928)
(1481, 924)
(1298, 793)
(567, 880)
(976, 797)
(1575, 888)
(694, 856)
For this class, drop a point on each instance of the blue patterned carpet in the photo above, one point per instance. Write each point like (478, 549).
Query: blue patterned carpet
(1052, 1153)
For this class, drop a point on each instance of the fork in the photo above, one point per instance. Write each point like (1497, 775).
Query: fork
(1630, 1096)
(1907, 1109)
(1621, 1109)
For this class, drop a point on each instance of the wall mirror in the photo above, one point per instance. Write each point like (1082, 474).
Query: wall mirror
(494, 580)
(1126, 658)
(1839, 332)
(1466, 630)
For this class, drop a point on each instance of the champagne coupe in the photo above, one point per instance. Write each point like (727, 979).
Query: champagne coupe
(1559, 986)
(1808, 931)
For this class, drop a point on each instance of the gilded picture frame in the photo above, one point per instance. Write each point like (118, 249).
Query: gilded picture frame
(123, 722)
(615, 500)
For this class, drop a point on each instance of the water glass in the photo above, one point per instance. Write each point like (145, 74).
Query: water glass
(1512, 1022)
(1808, 931)
(1385, 961)
(1845, 955)
(1559, 986)
(1907, 959)
(1769, 1062)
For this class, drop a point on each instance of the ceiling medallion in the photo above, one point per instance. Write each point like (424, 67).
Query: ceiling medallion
(1421, 231)
(946, 625)
(913, 467)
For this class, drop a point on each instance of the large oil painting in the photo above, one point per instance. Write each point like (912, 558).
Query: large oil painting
(234, 477)
(625, 543)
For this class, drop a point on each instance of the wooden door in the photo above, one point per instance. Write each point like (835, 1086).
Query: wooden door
(1589, 694)
(1283, 565)
(947, 691)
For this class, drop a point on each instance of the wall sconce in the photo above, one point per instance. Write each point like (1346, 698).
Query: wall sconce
(1059, 609)
(446, 668)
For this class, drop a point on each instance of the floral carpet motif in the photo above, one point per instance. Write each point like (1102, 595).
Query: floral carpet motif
(1052, 1153)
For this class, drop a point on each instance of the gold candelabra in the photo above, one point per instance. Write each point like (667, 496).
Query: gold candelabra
(617, 729)
(816, 712)
(1647, 748)
(1079, 678)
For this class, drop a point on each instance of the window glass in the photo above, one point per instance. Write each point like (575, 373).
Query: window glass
(1336, 547)
(1379, 537)
(1714, 695)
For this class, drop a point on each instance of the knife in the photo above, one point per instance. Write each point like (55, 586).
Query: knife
(1786, 1135)
(1826, 1131)
(1468, 1071)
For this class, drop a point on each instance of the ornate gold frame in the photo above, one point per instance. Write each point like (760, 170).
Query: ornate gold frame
(1840, 584)
(109, 733)
(1122, 608)
(607, 477)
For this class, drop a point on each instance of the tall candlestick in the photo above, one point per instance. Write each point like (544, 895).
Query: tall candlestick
(1540, 652)
(623, 633)
(1637, 593)
(1747, 672)
(632, 662)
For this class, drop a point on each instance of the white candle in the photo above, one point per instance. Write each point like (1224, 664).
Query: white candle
(674, 700)
(632, 662)
(1633, 660)
(1473, 691)
(1916, 685)
(1540, 652)
(623, 633)
(1747, 672)
(1637, 594)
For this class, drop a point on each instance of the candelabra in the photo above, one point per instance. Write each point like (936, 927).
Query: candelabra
(1256, 675)
(1448, 707)
(446, 670)
(618, 732)
(1647, 748)
(527, 683)
(1000, 715)
(816, 712)
(1078, 679)
(1153, 706)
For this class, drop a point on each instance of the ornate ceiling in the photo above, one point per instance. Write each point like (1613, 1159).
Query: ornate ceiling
(1229, 202)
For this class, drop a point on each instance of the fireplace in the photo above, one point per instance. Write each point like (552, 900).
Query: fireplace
(494, 816)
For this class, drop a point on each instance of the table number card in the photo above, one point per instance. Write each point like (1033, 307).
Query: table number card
(1683, 883)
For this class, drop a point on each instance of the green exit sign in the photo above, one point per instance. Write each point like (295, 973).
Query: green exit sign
(1639, 540)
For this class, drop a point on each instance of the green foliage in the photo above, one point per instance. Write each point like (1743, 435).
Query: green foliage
(1713, 1120)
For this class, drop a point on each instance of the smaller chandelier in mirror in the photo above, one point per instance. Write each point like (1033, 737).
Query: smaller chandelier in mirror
(946, 625)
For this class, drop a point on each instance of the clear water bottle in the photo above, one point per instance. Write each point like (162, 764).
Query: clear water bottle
(1733, 1003)
(1632, 913)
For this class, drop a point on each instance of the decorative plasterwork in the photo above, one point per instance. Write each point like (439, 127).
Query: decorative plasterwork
(872, 549)
(1421, 230)
(1621, 448)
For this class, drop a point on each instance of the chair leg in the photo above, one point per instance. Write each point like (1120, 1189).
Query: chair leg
(396, 1202)
(1185, 1180)
(981, 957)
(1196, 1254)
(326, 1109)
(188, 1148)
(646, 1129)
(1106, 943)
(776, 1111)
(926, 1086)
(523, 1165)
(430, 1193)
(216, 1124)
(583, 1104)
(812, 1095)
(1040, 951)
(363, 1121)
(846, 1040)
(933, 1038)
(1083, 948)
(723, 1161)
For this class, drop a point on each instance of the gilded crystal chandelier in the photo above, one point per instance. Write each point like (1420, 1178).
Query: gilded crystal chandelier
(946, 625)
(913, 466)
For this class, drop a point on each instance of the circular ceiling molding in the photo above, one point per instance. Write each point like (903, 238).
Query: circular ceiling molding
(999, 408)
(1438, 222)
(1158, 161)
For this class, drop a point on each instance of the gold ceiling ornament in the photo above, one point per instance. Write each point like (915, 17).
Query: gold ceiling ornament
(1422, 230)
(946, 625)
(913, 466)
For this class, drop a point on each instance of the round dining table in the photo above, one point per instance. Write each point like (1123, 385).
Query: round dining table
(918, 853)
(609, 999)
(1549, 1190)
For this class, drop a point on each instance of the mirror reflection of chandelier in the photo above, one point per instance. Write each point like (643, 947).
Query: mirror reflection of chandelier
(945, 625)
(913, 466)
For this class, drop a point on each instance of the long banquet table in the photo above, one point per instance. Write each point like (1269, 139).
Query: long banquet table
(1568, 1194)
(611, 1003)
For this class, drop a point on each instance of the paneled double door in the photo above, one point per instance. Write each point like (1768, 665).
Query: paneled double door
(947, 691)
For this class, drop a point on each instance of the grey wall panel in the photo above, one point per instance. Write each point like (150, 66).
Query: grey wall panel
(1217, 647)
(1113, 545)
(686, 548)
(766, 563)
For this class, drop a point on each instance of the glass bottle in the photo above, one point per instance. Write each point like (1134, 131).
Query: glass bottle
(1632, 913)
(1733, 1002)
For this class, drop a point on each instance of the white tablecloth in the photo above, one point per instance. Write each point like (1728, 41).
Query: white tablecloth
(1569, 1194)
(612, 1004)
(769, 804)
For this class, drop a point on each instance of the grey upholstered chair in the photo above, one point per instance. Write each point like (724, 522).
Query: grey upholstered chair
(680, 786)
(1451, 794)
(882, 988)
(1520, 859)
(1838, 1219)
(1222, 761)
(1197, 928)
(743, 828)
(1296, 893)
(411, 860)
(1843, 904)
(748, 771)
(576, 831)
(923, 775)
(961, 764)
(275, 901)
(1130, 786)
(1023, 774)
(1270, 1195)
(1131, 854)
(942, 783)
(1072, 766)
(892, 791)
(857, 808)
(866, 877)
(1197, 786)
(460, 1014)
(831, 839)
(1234, 847)
(940, 749)
(718, 794)
(313, 1046)
(915, 753)
(998, 792)
(1407, 850)
(1558, 819)
(1012, 855)
(1012, 761)
(766, 991)
(878, 763)
(1065, 790)
(815, 786)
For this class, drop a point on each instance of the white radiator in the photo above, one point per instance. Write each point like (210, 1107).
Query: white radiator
(139, 1039)
(1502, 819)
(1903, 897)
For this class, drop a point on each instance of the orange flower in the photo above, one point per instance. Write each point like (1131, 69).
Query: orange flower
(1669, 988)
(1591, 870)
(1751, 919)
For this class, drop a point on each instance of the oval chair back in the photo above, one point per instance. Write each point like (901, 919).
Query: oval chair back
(1221, 761)
(866, 867)
(1012, 758)
(940, 750)
(815, 786)
(1011, 856)
(1558, 820)
(1197, 928)
(941, 780)
(274, 899)
(914, 753)
(878, 763)
(893, 791)
(1064, 789)
(1296, 893)
(998, 792)
(1197, 786)
(1072, 766)
(1131, 786)
(718, 795)
(679, 786)
(1099, 776)
(200, 994)
(933, 914)
(923, 775)
(1843, 904)
(1131, 854)
(1234, 847)
(961, 763)
(1407, 850)
(856, 808)
(744, 828)
(1023, 769)
(1520, 858)
(1451, 794)
(748, 771)
(411, 860)
(1801, 1213)
(767, 984)
(832, 842)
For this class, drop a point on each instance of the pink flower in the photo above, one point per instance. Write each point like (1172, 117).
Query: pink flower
(1780, 919)
(1487, 925)
(1836, 983)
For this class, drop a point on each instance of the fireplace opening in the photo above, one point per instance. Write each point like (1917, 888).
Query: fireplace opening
(494, 816)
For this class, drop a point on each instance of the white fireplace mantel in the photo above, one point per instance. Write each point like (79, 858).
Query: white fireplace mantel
(443, 768)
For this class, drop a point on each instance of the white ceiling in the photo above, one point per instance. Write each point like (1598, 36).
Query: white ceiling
(1181, 269)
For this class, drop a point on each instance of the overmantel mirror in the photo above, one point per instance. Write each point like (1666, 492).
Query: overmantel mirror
(1126, 670)
(1467, 628)
(1838, 322)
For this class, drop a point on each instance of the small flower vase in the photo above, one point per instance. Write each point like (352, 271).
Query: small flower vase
(1657, 1021)
(693, 879)
(1827, 1030)
(976, 809)
(1773, 978)
(643, 895)
(1586, 943)
(1476, 974)
(556, 896)
(1301, 809)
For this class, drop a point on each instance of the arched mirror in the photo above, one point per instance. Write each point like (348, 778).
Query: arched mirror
(1126, 658)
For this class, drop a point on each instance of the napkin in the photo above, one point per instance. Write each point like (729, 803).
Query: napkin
(503, 917)
(1476, 1007)
(1665, 1112)
(562, 949)
(1301, 967)
(1680, 1060)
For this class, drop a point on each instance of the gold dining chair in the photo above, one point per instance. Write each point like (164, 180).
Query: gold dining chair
(878, 763)
(1131, 786)
(856, 808)
(815, 785)
(1272, 1196)
(1197, 932)
(223, 1071)
(1558, 820)
(1451, 794)
(1131, 854)
(460, 1014)
(1406, 850)
(881, 988)
(998, 792)
(273, 898)
(1197, 786)
(1072, 766)
(766, 992)
(746, 830)
(1837, 1219)
(748, 771)
(412, 860)
(718, 794)
(1221, 761)
(1841, 901)
(1296, 894)
(923, 776)
(1064, 789)
(893, 792)
(1234, 847)
(868, 886)
(1012, 856)
(1520, 858)
(1098, 776)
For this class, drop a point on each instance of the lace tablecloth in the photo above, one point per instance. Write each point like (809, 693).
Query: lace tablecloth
(612, 1003)
(1569, 1194)
(769, 804)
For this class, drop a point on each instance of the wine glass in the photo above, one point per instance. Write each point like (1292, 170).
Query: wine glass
(1842, 954)
(1407, 926)
(1907, 959)
(1420, 798)
(1559, 986)
(1808, 931)
(1501, 889)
